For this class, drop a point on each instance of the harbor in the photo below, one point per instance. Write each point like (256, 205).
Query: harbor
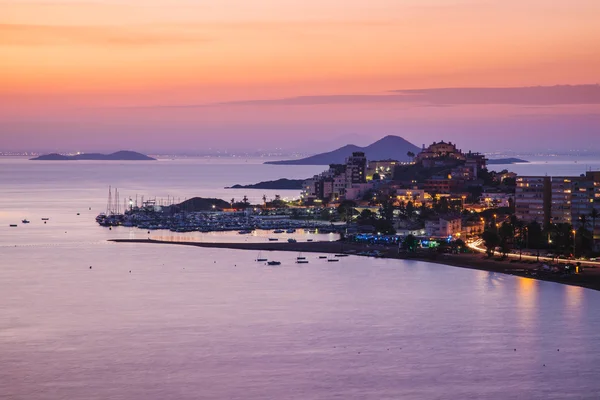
(205, 215)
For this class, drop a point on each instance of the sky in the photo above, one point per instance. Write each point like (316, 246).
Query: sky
(187, 75)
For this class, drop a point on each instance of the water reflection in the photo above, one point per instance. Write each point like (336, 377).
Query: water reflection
(527, 301)
(574, 298)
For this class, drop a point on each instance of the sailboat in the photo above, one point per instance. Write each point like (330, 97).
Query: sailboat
(260, 258)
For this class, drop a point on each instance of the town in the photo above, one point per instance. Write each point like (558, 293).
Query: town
(444, 199)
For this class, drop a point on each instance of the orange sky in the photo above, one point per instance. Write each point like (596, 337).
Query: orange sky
(65, 55)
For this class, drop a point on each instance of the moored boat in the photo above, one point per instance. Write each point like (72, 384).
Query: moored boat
(260, 258)
(274, 262)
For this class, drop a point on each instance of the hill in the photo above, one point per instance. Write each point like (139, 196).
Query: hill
(282, 184)
(389, 147)
(118, 156)
(202, 204)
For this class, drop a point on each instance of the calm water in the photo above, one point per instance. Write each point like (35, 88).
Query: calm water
(192, 323)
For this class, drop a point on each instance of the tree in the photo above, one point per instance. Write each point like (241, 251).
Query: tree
(264, 200)
(410, 243)
(594, 215)
(346, 209)
(583, 220)
(460, 245)
(376, 177)
(410, 154)
(491, 241)
(366, 217)
(506, 235)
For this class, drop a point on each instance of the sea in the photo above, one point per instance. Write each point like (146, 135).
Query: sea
(84, 318)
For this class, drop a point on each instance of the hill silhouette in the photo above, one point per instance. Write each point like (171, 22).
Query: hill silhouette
(122, 155)
(388, 148)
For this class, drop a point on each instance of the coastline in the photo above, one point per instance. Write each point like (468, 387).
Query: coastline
(589, 278)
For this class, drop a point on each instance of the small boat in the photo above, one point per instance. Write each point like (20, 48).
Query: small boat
(25, 221)
(290, 240)
(322, 257)
(260, 258)
(78, 213)
(291, 230)
(45, 219)
(245, 232)
(309, 240)
(13, 225)
(301, 261)
(341, 255)
(278, 231)
(273, 239)
(300, 257)
(333, 260)
(274, 262)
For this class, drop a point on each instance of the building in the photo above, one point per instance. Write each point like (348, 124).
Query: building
(384, 168)
(441, 184)
(560, 208)
(444, 227)
(416, 196)
(496, 199)
(533, 196)
(438, 151)
(334, 183)
(356, 166)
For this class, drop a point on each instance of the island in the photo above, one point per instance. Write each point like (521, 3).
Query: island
(118, 156)
(389, 147)
(509, 160)
(279, 184)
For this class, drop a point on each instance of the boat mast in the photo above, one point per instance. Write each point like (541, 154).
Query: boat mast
(109, 204)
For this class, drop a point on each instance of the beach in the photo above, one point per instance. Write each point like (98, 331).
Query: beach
(588, 278)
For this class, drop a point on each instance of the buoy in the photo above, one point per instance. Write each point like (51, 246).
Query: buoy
(129, 271)
(90, 267)
(515, 349)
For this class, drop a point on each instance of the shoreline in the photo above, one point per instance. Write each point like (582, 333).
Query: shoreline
(589, 278)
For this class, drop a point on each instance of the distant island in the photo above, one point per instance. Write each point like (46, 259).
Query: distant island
(281, 184)
(118, 156)
(388, 148)
(510, 160)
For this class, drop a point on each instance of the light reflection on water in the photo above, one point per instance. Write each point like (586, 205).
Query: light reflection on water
(211, 323)
(191, 323)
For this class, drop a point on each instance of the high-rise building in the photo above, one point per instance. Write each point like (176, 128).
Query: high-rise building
(562, 187)
(356, 166)
(533, 199)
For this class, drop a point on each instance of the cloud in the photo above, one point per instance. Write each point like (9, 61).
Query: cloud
(39, 35)
(534, 96)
